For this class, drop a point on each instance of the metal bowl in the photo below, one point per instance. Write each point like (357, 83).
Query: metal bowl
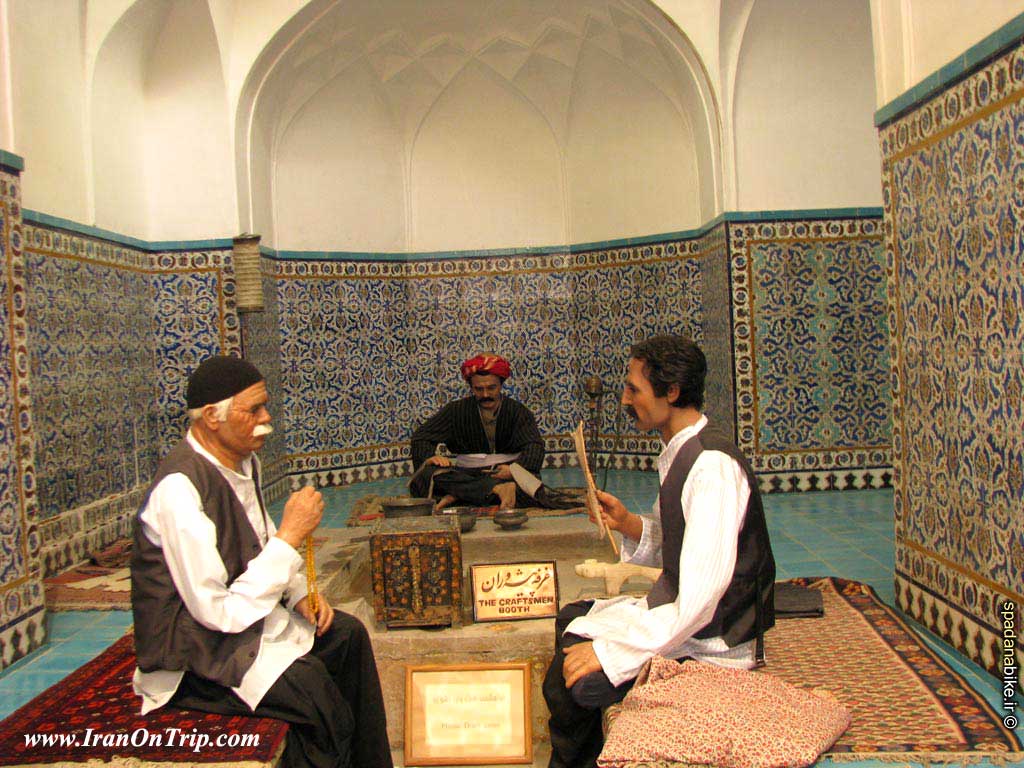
(466, 515)
(406, 506)
(510, 519)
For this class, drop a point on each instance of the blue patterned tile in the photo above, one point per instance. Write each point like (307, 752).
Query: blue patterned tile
(952, 170)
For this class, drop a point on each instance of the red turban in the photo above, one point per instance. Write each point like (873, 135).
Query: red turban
(486, 364)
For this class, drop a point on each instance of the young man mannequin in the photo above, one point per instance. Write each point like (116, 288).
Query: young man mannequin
(713, 601)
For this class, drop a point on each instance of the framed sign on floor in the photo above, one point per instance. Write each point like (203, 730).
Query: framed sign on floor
(468, 714)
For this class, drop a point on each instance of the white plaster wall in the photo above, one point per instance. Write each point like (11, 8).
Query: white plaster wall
(6, 99)
(339, 173)
(118, 125)
(47, 93)
(804, 107)
(261, 172)
(486, 171)
(477, 130)
(190, 191)
(914, 38)
(699, 21)
(631, 159)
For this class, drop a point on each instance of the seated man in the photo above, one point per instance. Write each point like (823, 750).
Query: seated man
(219, 595)
(486, 422)
(713, 600)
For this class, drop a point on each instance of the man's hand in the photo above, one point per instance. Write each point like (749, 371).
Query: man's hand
(618, 518)
(302, 514)
(325, 614)
(439, 461)
(502, 472)
(580, 660)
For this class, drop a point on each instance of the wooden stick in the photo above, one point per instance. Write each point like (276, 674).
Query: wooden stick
(312, 593)
(593, 506)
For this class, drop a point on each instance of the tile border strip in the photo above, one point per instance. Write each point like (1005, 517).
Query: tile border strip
(960, 67)
(68, 225)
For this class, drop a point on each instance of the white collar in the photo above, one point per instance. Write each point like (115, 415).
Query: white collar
(671, 448)
(245, 465)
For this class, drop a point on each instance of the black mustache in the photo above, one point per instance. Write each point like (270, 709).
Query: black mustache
(485, 400)
(630, 411)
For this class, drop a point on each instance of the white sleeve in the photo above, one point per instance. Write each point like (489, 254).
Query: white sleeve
(647, 551)
(297, 585)
(714, 501)
(173, 519)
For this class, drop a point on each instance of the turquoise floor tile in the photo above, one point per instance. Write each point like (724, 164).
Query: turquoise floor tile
(14, 698)
(32, 679)
(63, 624)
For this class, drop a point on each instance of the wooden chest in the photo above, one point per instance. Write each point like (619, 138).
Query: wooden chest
(417, 572)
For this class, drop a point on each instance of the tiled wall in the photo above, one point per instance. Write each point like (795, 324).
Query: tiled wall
(811, 352)
(113, 332)
(22, 614)
(952, 170)
(370, 349)
(261, 344)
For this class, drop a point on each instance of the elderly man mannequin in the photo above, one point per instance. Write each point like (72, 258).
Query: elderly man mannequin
(492, 426)
(222, 619)
(713, 600)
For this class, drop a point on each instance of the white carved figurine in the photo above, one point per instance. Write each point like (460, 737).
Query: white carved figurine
(615, 574)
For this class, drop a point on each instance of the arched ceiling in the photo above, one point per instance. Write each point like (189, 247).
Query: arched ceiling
(414, 51)
(417, 48)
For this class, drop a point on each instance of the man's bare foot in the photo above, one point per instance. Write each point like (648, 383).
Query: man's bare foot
(506, 493)
(445, 501)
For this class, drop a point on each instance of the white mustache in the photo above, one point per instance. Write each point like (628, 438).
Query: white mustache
(262, 429)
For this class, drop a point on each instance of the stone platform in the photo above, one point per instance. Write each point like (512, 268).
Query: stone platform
(343, 567)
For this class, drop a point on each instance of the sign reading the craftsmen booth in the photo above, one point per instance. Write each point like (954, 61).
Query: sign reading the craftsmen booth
(506, 591)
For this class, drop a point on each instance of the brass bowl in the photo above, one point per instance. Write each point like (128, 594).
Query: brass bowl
(406, 506)
(466, 516)
(510, 519)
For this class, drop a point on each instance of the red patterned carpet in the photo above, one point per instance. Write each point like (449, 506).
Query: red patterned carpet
(95, 706)
(907, 704)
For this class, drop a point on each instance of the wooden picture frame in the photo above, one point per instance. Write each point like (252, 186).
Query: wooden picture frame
(514, 591)
(468, 714)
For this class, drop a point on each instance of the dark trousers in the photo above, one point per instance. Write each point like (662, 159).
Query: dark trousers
(470, 486)
(575, 723)
(331, 698)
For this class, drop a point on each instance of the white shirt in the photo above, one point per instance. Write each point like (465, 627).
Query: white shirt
(173, 519)
(626, 633)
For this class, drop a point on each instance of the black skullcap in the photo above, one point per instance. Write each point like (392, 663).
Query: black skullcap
(218, 378)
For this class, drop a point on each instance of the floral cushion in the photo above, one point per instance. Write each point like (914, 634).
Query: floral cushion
(702, 714)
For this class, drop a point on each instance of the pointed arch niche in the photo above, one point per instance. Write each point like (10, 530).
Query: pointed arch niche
(385, 127)
(161, 151)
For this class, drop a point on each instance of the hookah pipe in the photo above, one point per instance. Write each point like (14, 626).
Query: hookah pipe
(594, 389)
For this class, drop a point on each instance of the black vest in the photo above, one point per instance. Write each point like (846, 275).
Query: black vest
(747, 608)
(167, 637)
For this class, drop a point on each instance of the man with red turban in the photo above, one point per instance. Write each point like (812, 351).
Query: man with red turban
(487, 431)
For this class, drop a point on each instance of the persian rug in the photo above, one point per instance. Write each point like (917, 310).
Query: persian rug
(89, 588)
(102, 584)
(908, 705)
(93, 715)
